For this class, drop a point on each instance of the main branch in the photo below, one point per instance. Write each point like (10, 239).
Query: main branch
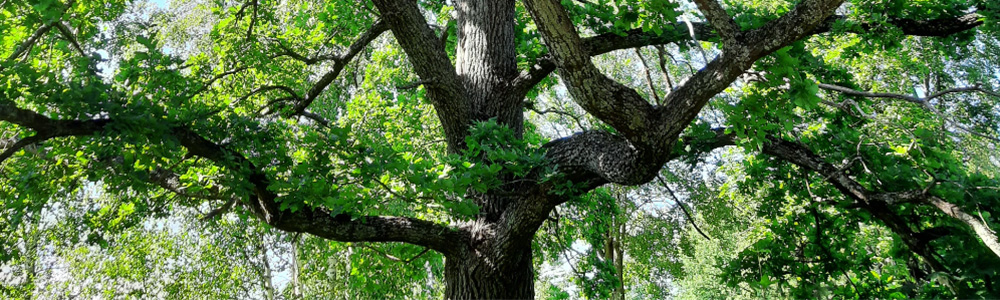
(265, 204)
(431, 63)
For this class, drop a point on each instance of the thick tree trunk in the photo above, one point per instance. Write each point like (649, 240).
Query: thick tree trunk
(486, 61)
(475, 274)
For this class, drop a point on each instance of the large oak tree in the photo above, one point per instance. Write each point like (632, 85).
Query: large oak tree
(280, 110)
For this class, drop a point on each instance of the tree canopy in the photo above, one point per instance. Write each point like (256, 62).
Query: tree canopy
(462, 149)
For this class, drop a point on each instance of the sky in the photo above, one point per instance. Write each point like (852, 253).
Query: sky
(161, 3)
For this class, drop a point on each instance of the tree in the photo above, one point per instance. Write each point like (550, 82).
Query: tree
(276, 112)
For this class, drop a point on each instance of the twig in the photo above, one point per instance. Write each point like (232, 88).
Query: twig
(661, 53)
(413, 85)
(558, 112)
(649, 78)
(683, 207)
(393, 258)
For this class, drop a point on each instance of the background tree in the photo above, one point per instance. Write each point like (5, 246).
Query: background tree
(301, 114)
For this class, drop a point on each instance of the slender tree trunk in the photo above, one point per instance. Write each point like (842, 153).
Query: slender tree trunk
(296, 285)
(265, 268)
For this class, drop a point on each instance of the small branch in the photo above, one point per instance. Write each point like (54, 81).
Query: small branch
(29, 42)
(413, 85)
(31, 140)
(339, 63)
(68, 34)
(854, 92)
(975, 88)
(294, 96)
(215, 78)
(649, 78)
(253, 19)
(661, 52)
(683, 207)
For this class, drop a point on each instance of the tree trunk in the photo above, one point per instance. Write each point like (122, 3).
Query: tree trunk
(475, 275)
(485, 62)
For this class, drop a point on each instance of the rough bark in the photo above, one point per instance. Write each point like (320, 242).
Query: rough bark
(431, 63)
(485, 59)
(473, 275)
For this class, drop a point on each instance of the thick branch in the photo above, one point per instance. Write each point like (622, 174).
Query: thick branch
(618, 105)
(878, 204)
(720, 20)
(985, 234)
(45, 128)
(432, 64)
(601, 154)
(317, 221)
(604, 43)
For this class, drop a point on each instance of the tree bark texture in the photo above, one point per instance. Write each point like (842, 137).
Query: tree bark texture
(475, 274)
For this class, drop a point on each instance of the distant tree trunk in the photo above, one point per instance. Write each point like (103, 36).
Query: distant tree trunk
(614, 252)
(296, 285)
(266, 275)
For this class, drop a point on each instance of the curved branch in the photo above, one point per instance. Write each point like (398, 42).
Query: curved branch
(431, 63)
(604, 43)
(986, 235)
(683, 207)
(923, 102)
(339, 63)
(31, 140)
(212, 80)
(291, 93)
(317, 221)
